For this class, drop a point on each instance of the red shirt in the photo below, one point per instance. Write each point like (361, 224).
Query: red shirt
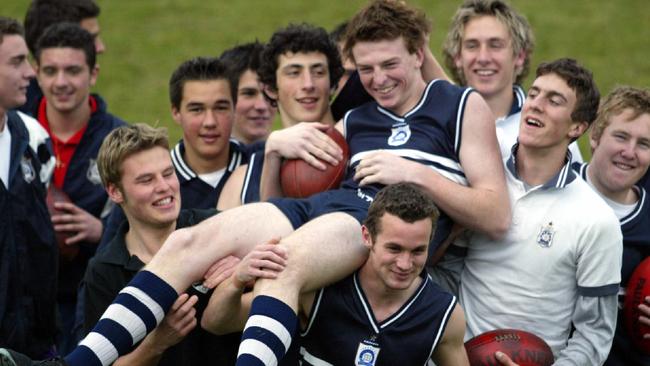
(63, 150)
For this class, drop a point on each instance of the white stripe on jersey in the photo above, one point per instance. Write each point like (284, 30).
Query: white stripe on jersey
(313, 360)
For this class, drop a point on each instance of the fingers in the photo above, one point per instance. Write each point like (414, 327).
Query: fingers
(219, 271)
(504, 360)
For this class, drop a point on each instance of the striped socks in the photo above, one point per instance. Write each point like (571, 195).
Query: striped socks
(136, 311)
(268, 332)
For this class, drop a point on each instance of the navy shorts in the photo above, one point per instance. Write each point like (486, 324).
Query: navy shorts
(301, 210)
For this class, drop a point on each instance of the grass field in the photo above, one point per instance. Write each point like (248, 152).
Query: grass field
(147, 39)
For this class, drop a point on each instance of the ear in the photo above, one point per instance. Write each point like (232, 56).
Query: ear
(176, 115)
(419, 56)
(273, 94)
(520, 59)
(94, 73)
(577, 129)
(114, 193)
(367, 238)
(594, 141)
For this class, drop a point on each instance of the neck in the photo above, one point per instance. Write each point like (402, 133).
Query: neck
(415, 94)
(500, 104)
(384, 301)
(537, 166)
(287, 121)
(144, 241)
(65, 124)
(626, 197)
(201, 165)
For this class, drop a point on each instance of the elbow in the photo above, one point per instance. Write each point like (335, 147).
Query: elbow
(208, 324)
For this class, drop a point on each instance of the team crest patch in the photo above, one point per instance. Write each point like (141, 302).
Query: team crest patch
(399, 135)
(545, 236)
(367, 354)
(29, 173)
(92, 174)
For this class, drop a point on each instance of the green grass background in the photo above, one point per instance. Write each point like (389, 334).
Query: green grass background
(147, 39)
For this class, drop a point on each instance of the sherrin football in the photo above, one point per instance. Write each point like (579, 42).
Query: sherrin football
(524, 348)
(66, 252)
(299, 179)
(638, 287)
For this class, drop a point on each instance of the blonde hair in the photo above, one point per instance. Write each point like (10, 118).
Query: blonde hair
(620, 99)
(123, 142)
(520, 31)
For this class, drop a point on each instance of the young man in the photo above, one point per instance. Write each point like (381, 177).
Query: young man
(322, 234)
(77, 123)
(138, 173)
(387, 312)
(43, 13)
(301, 50)
(202, 103)
(29, 255)
(620, 142)
(253, 113)
(557, 267)
(488, 47)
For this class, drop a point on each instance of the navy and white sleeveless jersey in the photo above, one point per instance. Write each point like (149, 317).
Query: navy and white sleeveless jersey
(430, 134)
(342, 329)
(250, 190)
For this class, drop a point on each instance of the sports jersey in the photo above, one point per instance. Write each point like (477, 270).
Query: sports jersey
(250, 190)
(28, 253)
(636, 247)
(195, 193)
(342, 329)
(112, 269)
(562, 246)
(430, 133)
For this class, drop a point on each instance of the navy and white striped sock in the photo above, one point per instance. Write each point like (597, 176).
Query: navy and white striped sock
(135, 312)
(268, 332)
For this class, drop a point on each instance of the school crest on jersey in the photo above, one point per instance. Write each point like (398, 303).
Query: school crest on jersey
(545, 236)
(92, 174)
(367, 353)
(400, 133)
(29, 173)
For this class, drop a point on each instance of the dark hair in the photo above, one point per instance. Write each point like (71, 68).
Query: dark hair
(241, 58)
(338, 33)
(67, 35)
(404, 200)
(298, 38)
(581, 81)
(10, 26)
(387, 20)
(198, 69)
(43, 13)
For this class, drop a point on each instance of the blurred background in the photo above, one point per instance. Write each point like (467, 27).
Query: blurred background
(147, 39)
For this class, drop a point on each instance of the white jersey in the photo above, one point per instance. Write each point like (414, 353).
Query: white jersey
(564, 242)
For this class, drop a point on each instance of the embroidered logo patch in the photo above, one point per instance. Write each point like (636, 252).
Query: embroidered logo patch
(399, 135)
(92, 174)
(29, 173)
(545, 236)
(367, 354)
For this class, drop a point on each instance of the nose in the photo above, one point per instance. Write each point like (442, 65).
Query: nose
(28, 71)
(627, 150)
(261, 103)
(100, 47)
(404, 262)
(307, 81)
(59, 78)
(378, 77)
(483, 54)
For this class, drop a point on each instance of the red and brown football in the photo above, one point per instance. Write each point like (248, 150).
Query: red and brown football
(299, 179)
(524, 348)
(638, 287)
(66, 252)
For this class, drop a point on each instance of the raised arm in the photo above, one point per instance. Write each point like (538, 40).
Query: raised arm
(229, 306)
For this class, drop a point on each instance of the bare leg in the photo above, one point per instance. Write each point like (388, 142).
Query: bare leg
(321, 252)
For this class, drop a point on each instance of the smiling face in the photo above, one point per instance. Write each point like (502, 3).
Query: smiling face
(621, 156)
(546, 115)
(486, 58)
(303, 88)
(205, 115)
(398, 253)
(390, 74)
(15, 72)
(253, 113)
(149, 192)
(65, 78)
